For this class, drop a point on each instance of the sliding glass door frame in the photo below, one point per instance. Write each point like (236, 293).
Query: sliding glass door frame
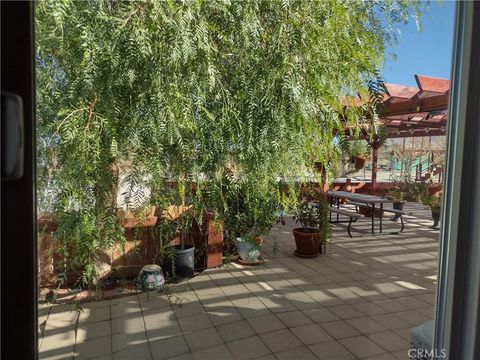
(457, 320)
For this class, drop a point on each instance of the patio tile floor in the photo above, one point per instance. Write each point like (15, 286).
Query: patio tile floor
(358, 301)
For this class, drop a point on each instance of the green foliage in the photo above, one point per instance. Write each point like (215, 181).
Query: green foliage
(166, 93)
(314, 215)
(251, 207)
(414, 190)
(434, 201)
(358, 148)
(397, 195)
(308, 214)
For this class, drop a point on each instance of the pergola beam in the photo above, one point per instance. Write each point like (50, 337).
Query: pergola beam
(416, 133)
(415, 105)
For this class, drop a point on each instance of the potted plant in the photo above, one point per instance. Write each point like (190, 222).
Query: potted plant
(397, 195)
(434, 202)
(250, 210)
(310, 239)
(179, 259)
(358, 153)
(249, 247)
(415, 190)
(256, 220)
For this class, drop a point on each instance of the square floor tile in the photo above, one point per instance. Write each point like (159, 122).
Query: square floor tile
(139, 352)
(93, 348)
(280, 340)
(266, 323)
(248, 348)
(311, 334)
(236, 330)
(302, 353)
(124, 341)
(224, 315)
(194, 323)
(321, 315)
(331, 350)
(219, 352)
(339, 329)
(361, 346)
(93, 331)
(125, 308)
(183, 310)
(294, 318)
(390, 321)
(90, 315)
(167, 348)
(203, 339)
(389, 341)
(365, 325)
(167, 330)
(345, 311)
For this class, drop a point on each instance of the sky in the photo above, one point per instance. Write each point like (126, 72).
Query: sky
(426, 52)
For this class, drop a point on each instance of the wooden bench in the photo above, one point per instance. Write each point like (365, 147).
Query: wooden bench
(351, 214)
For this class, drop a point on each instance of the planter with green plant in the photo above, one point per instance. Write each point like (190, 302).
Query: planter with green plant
(179, 259)
(358, 153)
(311, 238)
(397, 195)
(251, 209)
(434, 202)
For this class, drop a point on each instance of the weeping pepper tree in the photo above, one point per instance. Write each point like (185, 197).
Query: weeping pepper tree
(228, 95)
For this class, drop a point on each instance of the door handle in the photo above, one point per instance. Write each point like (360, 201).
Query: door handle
(12, 136)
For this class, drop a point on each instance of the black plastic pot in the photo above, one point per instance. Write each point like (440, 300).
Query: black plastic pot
(184, 263)
(397, 206)
(435, 217)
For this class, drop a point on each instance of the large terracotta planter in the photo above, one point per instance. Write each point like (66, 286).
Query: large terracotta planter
(308, 242)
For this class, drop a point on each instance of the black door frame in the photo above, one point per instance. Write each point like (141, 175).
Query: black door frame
(18, 269)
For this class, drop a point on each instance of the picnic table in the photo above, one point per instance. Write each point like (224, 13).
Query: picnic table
(368, 200)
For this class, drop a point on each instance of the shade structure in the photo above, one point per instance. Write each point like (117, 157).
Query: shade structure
(409, 111)
(413, 111)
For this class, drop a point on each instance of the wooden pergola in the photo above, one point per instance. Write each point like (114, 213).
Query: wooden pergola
(409, 111)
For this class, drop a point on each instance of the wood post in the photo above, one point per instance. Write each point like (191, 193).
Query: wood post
(374, 169)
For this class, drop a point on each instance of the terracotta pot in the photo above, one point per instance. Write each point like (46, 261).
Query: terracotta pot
(359, 163)
(308, 242)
